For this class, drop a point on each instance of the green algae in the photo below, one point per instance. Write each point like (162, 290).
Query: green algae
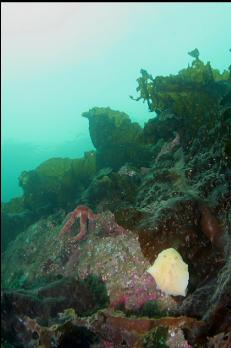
(156, 338)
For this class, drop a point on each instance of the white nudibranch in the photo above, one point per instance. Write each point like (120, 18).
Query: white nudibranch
(170, 272)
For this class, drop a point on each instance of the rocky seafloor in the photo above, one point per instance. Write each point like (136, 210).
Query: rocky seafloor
(166, 185)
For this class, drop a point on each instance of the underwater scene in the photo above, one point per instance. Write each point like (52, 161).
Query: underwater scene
(116, 175)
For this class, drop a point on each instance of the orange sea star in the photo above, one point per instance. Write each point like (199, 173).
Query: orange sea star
(85, 214)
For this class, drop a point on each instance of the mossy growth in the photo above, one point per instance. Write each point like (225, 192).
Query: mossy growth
(156, 338)
(110, 128)
(116, 138)
(150, 309)
(56, 183)
(15, 205)
(111, 189)
(84, 168)
(98, 290)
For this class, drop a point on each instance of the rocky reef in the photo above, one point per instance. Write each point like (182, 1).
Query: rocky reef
(166, 185)
(116, 139)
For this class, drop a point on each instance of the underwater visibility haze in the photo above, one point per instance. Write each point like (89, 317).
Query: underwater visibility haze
(116, 175)
(60, 60)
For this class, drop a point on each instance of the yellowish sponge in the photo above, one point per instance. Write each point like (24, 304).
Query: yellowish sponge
(170, 272)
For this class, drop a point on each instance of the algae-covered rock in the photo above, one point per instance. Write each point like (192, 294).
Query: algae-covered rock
(160, 127)
(14, 219)
(15, 205)
(116, 138)
(12, 224)
(110, 189)
(193, 95)
(56, 183)
(61, 299)
(110, 128)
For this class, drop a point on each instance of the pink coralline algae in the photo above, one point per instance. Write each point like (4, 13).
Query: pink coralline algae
(107, 226)
(107, 344)
(86, 215)
(140, 293)
(114, 254)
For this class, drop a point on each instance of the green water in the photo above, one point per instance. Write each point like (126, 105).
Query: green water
(59, 60)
